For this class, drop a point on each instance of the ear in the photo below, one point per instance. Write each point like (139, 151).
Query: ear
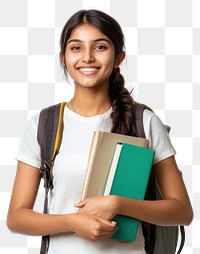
(119, 59)
(62, 59)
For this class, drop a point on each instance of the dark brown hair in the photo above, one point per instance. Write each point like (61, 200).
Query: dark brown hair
(122, 102)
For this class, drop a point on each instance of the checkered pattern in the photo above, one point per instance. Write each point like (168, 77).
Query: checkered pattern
(162, 64)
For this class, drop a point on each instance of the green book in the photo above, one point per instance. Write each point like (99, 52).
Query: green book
(128, 177)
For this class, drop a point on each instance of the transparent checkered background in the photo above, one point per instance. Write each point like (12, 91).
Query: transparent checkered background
(163, 64)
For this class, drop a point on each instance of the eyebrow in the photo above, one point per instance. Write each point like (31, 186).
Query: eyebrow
(97, 40)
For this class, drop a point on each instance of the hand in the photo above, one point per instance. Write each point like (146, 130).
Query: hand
(103, 206)
(92, 227)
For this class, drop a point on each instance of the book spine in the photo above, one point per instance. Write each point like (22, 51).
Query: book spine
(92, 152)
(112, 170)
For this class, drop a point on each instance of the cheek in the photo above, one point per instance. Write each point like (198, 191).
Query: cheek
(109, 64)
(71, 60)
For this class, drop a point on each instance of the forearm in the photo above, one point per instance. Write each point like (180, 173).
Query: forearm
(91, 227)
(160, 212)
(25, 221)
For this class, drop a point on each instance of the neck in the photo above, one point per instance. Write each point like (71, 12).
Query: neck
(89, 105)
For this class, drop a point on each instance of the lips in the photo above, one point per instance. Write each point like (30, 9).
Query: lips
(88, 70)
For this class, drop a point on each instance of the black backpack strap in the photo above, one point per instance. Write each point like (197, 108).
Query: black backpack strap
(49, 136)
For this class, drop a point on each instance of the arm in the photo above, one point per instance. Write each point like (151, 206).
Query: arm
(174, 209)
(22, 219)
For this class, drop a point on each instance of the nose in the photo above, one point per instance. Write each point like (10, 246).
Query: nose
(87, 56)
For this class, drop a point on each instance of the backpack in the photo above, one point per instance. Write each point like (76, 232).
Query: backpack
(158, 239)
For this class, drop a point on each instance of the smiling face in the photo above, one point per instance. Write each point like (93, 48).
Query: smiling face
(89, 56)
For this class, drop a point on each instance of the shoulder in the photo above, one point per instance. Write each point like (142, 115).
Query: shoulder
(34, 119)
(30, 132)
(29, 150)
(157, 134)
(152, 122)
(32, 123)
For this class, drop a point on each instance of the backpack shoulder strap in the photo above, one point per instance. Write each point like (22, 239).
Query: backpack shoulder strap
(138, 114)
(49, 136)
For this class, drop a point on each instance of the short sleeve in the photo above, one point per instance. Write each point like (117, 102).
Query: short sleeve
(158, 136)
(29, 149)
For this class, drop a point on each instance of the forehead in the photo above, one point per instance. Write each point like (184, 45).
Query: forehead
(87, 32)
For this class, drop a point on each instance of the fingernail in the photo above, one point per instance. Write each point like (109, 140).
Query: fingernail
(114, 223)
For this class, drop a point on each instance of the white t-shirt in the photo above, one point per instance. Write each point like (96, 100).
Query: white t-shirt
(69, 169)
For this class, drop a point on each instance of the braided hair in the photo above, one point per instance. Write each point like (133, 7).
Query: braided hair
(121, 99)
(122, 105)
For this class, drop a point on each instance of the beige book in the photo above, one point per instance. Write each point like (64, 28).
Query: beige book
(100, 158)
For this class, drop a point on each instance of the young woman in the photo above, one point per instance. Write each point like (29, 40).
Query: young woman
(92, 49)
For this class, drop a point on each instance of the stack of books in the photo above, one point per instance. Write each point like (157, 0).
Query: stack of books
(118, 165)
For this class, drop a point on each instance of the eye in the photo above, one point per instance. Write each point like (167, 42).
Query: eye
(101, 47)
(75, 48)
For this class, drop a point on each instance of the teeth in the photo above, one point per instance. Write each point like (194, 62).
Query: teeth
(88, 69)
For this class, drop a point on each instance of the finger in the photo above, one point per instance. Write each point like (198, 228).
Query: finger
(104, 237)
(106, 234)
(107, 223)
(80, 204)
(110, 230)
(81, 210)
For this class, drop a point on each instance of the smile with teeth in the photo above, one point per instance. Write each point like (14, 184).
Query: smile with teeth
(88, 70)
